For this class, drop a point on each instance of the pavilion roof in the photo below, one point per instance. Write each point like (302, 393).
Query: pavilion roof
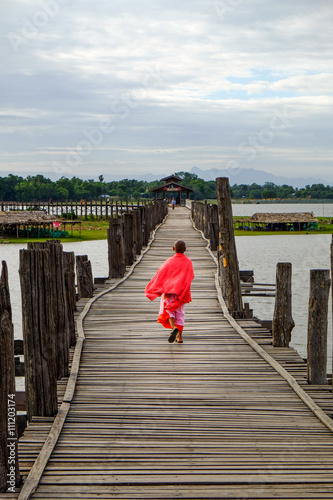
(272, 218)
(26, 217)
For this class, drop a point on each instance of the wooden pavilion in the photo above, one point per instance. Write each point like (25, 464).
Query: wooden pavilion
(299, 221)
(172, 184)
(33, 224)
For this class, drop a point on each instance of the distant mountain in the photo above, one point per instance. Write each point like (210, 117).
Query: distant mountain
(251, 175)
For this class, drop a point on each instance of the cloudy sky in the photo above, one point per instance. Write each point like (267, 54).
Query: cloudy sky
(123, 88)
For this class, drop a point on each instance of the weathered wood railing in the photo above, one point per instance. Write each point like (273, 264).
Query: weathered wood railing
(9, 468)
(84, 208)
(215, 220)
(47, 277)
(127, 235)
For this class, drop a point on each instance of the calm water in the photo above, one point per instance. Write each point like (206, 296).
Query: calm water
(305, 252)
(248, 209)
(97, 252)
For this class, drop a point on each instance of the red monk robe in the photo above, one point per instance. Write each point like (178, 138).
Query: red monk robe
(173, 277)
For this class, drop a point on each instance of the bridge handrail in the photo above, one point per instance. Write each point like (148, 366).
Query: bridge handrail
(317, 411)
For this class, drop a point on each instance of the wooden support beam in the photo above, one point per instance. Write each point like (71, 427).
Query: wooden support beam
(9, 467)
(39, 332)
(116, 248)
(70, 293)
(128, 239)
(58, 303)
(332, 293)
(317, 326)
(228, 248)
(85, 281)
(283, 322)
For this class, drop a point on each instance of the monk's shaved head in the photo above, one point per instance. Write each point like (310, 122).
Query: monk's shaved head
(179, 246)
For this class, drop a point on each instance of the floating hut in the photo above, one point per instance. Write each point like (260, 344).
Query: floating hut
(299, 221)
(33, 224)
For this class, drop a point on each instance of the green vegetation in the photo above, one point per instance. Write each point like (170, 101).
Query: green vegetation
(325, 226)
(272, 191)
(40, 188)
(87, 230)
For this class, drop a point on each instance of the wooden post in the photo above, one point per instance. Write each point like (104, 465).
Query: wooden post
(214, 236)
(283, 322)
(206, 219)
(58, 303)
(317, 326)
(332, 282)
(85, 282)
(128, 239)
(117, 266)
(70, 293)
(228, 248)
(39, 338)
(139, 238)
(9, 467)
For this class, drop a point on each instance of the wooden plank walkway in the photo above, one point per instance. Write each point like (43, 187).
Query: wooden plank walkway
(205, 419)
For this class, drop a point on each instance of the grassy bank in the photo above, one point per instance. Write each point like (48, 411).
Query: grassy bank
(86, 231)
(324, 227)
(97, 230)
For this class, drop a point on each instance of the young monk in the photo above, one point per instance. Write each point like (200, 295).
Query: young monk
(172, 283)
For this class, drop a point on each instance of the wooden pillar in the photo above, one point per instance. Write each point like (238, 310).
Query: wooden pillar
(214, 236)
(85, 282)
(228, 248)
(206, 219)
(60, 306)
(9, 467)
(128, 239)
(317, 326)
(138, 231)
(70, 293)
(58, 303)
(38, 322)
(143, 212)
(332, 282)
(117, 266)
(283, 322)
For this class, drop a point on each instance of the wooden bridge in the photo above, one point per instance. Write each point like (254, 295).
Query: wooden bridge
(215, 417)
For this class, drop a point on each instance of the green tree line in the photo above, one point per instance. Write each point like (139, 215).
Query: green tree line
(40, 188)
(271, 190)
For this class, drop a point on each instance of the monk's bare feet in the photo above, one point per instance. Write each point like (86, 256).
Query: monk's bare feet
(179, 339)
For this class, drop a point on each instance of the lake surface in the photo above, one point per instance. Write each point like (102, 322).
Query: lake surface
(260, 253)
(248, 209)
(97, 252)
(305, 252)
